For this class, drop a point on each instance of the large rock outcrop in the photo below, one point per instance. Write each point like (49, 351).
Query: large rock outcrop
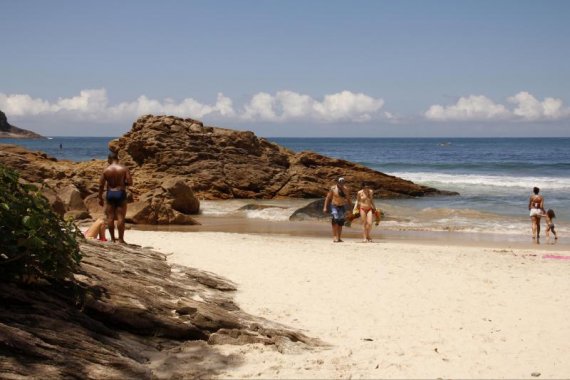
(215, 163)
(8, 131)
(222, 163)
(130, 316)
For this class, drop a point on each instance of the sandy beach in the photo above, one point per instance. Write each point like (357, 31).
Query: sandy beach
(390, 309)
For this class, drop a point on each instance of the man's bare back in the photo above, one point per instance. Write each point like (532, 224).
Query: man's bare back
(115, 178)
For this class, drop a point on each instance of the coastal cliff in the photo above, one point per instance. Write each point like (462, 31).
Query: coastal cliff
(8, 131)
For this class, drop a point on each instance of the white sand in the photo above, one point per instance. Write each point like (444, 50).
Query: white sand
(390, 310)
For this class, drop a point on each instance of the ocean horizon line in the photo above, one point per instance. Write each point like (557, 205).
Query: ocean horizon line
(356, 138)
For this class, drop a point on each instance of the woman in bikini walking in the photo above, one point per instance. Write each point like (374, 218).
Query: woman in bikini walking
(536, 207)
(365, 201)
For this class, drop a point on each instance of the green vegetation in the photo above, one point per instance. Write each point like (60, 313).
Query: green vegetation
(34, 241)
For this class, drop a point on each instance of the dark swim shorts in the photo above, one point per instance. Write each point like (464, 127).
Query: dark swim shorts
(337, 213)
(116, 197)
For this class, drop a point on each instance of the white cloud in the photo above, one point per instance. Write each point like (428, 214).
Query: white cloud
(284, 106)
(530, 108)
(88, 102)
(289, 106)
(468, 108)
(481, 108)
(22, 105)
(260, 107)
(281, 107)
(347, 105)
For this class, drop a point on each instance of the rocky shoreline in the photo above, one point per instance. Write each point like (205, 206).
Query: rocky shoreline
(131, 315)
(176, 162)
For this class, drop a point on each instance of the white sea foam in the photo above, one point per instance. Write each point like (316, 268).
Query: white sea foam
(469, 225)
(220, 208)
(496, 181)
(271, 210)
(397, 216)
(272, 213)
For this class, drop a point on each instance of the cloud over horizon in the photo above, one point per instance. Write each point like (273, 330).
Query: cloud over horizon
(92, 105)
(285, 106)
(481, 108)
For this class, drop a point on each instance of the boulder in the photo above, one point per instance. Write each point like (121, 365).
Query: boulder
(54, 200)
(72, 199)
(313, 210)
(93, 207)
(171, 203)
(181, 196)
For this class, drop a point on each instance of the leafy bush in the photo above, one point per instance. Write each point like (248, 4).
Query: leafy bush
(34, 241)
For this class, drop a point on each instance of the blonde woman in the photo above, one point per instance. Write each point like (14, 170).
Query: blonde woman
(97, 230)
(365, 201)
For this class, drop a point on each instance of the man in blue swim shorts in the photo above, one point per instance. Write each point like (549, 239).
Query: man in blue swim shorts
(115, 178)
(338, 198)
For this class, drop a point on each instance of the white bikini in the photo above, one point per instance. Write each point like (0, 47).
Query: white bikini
(535, 209)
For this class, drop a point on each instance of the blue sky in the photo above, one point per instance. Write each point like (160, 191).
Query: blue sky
(289, 68)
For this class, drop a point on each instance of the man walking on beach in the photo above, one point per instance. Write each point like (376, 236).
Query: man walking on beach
(338, 197)
(116, 177)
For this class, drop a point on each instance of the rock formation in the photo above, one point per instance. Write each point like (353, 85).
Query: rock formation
(170, 203)
(72, 187)
(215, 163)
(221, 163)
(8, 131)
(131, 316)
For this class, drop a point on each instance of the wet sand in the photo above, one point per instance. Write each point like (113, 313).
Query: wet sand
(322, 229)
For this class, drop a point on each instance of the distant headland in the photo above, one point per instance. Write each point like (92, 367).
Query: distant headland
(8, 131)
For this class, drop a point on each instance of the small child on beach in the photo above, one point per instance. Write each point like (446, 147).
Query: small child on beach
(550, 224)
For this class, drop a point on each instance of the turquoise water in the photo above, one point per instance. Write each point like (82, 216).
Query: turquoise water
(493, 176)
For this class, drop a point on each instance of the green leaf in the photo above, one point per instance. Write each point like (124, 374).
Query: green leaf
(45, 245)
(26, 221)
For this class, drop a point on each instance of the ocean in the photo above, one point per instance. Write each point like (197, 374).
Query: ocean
(494, 177)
